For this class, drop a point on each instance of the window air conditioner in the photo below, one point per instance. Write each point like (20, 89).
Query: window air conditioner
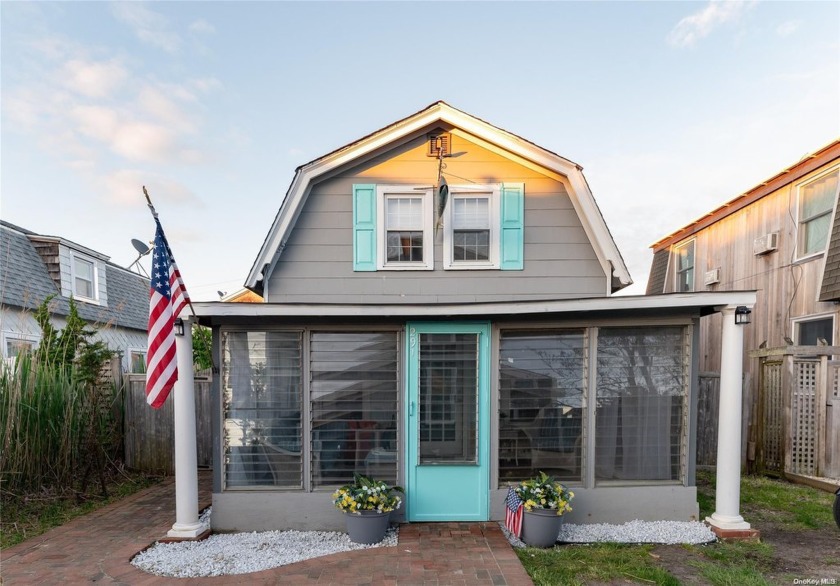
(712, 277)
(767, 243)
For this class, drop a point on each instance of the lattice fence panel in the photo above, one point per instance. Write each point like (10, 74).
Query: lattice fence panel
(773, 415)
(803, 418)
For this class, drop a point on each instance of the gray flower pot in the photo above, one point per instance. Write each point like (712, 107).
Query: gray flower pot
(541, 527)
(367, 528)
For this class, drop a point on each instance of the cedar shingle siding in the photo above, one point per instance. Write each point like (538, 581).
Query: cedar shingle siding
(658, 269)
(830, 290)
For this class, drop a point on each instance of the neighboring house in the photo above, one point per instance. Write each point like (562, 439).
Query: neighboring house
(782, 239)
(110, 298)
(453, 345)
(242, 296)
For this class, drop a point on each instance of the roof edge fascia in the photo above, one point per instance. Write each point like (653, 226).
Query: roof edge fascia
(808, 164)
(716, 300)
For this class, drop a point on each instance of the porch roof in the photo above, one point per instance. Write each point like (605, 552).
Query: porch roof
(666, 305)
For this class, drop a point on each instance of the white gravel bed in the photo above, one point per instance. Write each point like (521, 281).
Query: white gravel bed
(242, 553)
(665, 532)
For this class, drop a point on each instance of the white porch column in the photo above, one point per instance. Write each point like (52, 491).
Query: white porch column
(728, 490)
(186, 459)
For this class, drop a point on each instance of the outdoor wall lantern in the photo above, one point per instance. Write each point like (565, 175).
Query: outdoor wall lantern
(178, 325)
(742, 315)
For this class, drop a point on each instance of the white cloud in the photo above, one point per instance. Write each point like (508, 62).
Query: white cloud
(202, 26)
(124, 188)
(93, 79)
(696, 26)
(149, 26)
(788, 28)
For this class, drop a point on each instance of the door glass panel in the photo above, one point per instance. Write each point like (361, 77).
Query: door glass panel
(448, 401)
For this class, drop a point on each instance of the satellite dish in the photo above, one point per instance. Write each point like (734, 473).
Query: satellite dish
(140, 246)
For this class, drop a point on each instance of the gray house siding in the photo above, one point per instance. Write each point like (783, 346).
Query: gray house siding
(317, 263)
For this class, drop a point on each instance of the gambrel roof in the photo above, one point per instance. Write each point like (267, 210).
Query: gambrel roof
(435, 115)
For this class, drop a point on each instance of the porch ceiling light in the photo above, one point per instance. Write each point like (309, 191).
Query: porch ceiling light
(178, 326)
(742, 315)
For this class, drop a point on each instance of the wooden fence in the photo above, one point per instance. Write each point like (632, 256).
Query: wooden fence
(797, 430)
(150, 433)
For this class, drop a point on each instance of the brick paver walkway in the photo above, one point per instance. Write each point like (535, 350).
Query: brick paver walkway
(98, 547)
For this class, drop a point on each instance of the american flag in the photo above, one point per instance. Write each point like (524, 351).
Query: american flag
(513, 512)
(167, 297)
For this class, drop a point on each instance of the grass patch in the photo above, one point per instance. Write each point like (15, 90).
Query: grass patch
(578, 564)
(25, 516)
(735, 563)
(791, 506)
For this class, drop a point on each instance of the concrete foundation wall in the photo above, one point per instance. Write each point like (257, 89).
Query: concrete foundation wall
(264, 511)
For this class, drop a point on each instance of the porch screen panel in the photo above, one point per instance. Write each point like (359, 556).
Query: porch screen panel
(261, 386)
(448, 399)
(354, 391)
(641, 403)
(542, 378)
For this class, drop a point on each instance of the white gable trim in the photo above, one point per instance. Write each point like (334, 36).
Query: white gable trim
(585, 205)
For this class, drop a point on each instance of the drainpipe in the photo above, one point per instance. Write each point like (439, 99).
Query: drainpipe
(727, 517)
(186, 524)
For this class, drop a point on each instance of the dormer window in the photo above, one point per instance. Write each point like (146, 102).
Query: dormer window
(405, 234)
(84, 277)
(471, 228)
(395, 227)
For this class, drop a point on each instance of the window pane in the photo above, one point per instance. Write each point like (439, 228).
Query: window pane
(404, 213)
(685, 267)
(641, 395)
(405, 247)
(815, 234)
(448, 398)
(471, 245)
(810, 332)
(83, 271)
(15, 348)
(354, 406)
(541, 404)
(818, 197)
(471, 213)
(138, 362)
(261, 385)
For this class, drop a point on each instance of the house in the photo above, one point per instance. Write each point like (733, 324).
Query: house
(780, 238)
(439, 312)
(110, 298)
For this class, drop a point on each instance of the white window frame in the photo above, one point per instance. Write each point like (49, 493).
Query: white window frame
(799, 233)
(34, 339)
(493, 193)
(94, 285)
(425, 193)
(676, 257)
(142, 351)
(809, 318)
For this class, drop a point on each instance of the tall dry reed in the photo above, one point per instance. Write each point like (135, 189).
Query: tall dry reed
(47, 420)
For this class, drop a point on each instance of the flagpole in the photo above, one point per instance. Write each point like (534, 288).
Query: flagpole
(187, 525)
(155, 216)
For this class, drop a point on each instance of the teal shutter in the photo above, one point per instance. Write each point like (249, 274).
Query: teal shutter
(513, 227)
(364, 227)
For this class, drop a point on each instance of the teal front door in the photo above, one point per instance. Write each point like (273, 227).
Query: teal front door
(448, 406)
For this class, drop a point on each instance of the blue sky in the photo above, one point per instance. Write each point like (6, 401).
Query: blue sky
(671, 108)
